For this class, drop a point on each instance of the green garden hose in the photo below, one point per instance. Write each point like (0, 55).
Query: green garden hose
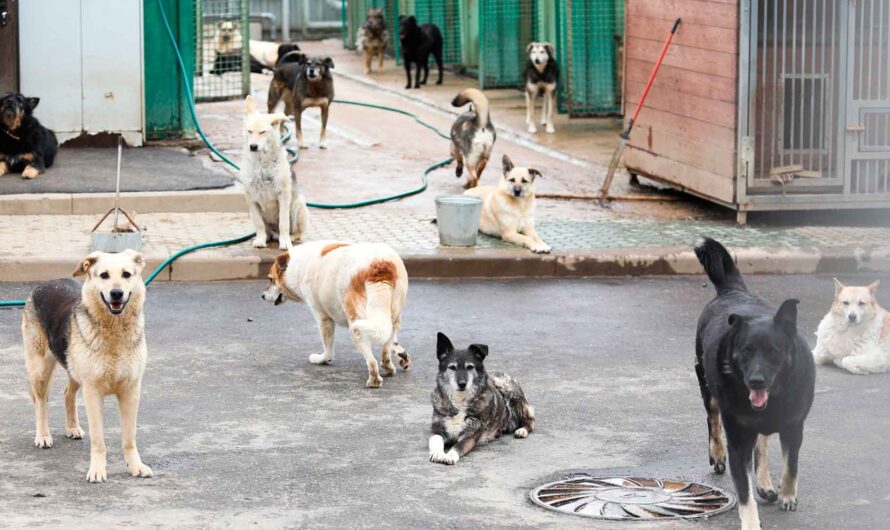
(191, 105)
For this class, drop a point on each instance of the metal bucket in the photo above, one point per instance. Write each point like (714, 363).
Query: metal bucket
(458, 219)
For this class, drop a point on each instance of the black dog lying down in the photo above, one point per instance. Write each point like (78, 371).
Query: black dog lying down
(418, 42)
(756, 372)
(26, 146)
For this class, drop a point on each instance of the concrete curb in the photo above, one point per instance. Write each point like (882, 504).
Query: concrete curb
(224, 200)
(246, 263)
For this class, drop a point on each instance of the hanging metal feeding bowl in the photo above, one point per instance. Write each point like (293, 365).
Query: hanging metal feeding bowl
(118, 238)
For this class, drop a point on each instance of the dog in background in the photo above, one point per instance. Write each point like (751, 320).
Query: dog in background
(756, 372)
(855, 334)
(508, 209)
(362, 287)
(541, 76)
(303, 82)
(26, 146)
(417, 43)
(472, 136)
(270, 184)
(471, 406)
(372, 37)
(96, 331)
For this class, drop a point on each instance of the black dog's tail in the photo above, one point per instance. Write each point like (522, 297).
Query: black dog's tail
(719, 265)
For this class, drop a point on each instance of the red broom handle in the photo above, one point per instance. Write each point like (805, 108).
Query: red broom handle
(626, 133)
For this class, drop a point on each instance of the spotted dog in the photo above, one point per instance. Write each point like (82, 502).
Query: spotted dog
(472, 406)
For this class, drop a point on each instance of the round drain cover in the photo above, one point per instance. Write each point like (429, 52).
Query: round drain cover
(632, 498)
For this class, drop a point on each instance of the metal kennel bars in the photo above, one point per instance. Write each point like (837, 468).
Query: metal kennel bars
(590, 36)
(448, 15)
(505, 29)
(814, 86)
(222, 57)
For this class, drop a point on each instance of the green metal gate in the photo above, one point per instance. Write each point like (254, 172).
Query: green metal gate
(505, 27)
(590, 33)
(447, 15)
(222, 56)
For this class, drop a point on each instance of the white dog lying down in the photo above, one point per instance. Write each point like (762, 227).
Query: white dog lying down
(278, 211)
(359, 286)
(855, 334)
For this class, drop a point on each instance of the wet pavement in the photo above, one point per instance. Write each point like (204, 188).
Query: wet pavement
(241, 430)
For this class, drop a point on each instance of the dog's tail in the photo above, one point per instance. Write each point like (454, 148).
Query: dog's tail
(479, 101)
(371, 297)
(719, 266)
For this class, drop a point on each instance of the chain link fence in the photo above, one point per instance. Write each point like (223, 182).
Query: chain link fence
(222, 57)
(505, 28)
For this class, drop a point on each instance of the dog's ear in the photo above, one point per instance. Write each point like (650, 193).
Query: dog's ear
(873, 287)
(249, 104)
(443, 345)
(534, 173)
(480, 351)
(281, 262)
(786, 316)
(508, 164)
(278, 118)
(328, 62)
(838, 286)
(32, 102)
(528, 49)
(137, 258)
(549, 48)
(84, 266)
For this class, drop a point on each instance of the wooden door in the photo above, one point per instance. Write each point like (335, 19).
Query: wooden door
(9, 46)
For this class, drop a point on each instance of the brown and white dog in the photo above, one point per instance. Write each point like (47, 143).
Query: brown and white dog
(508, 209)
(855, 334)
(372, 38)
(362, 287)
(541, 76)
(97, 332)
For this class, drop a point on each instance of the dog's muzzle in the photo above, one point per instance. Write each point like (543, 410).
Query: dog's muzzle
(116, 301)
(517, 191)
(852, 319)
(254, 147)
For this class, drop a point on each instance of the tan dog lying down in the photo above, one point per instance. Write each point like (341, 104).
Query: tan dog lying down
(508, 209)
(362, 287)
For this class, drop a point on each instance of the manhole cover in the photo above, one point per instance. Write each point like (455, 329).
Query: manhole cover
(632, 498)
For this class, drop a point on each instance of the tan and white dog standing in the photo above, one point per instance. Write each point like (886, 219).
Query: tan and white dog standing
(97, 332)
(277, 210)
(855, 334)
(362, 287)
(472, 136)
(508, 209)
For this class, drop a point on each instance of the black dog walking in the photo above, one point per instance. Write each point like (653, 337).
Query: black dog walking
(755, 371)
(26, 146)
(418, 42)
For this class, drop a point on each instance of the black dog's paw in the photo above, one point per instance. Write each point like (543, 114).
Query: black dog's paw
(768, 495)
(439, 82)
(719, 467)
(408, 86)
(788, 505)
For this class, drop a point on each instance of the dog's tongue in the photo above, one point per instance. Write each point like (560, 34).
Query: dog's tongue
(758, 398)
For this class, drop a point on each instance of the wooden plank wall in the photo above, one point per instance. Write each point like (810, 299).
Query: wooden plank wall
(686, 132)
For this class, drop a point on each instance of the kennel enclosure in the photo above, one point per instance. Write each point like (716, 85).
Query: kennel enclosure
(765, 104)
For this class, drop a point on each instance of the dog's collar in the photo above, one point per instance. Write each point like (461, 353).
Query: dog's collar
(14, 137)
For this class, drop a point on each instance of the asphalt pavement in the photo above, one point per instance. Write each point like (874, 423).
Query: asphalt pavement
(241, 430)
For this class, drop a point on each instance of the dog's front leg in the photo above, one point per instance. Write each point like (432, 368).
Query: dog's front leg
(326, 330)
(761, 467)
(791, 441)
(323, 140)
(259, 225)
(4, 165)
(72, 425)
(870, 360)
(437, 450)
(418, 67)
(549, 102)
(530, 111)
(519, 239)
(820, 353)
(93, 398)
(298, 126)
(408, 73)
(284, 228)
(540, 245)
(128, 400)
(35, 165)
(368, 57)
(741, 450)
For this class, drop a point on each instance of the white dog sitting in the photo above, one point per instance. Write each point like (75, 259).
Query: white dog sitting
(855, 334)
(270, 185)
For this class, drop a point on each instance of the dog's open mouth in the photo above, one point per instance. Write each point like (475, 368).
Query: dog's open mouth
(115, 306)
(758, 399)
